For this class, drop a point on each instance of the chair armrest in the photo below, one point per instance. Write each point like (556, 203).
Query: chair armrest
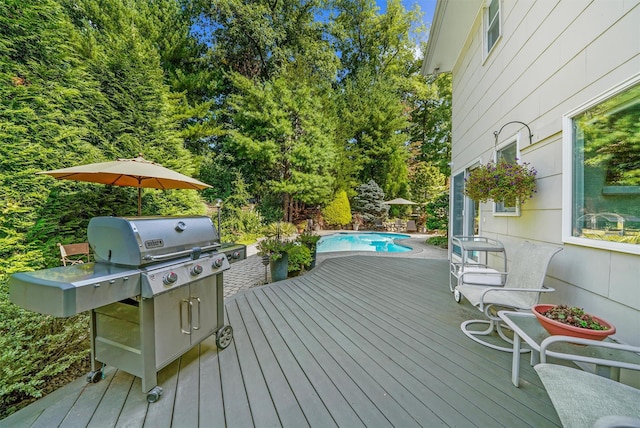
(528, 290)
(544, 351)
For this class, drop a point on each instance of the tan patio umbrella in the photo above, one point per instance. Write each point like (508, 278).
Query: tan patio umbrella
(137, 172)
(400, 201)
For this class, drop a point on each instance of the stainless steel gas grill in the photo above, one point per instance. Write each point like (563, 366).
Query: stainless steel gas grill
(154, 292)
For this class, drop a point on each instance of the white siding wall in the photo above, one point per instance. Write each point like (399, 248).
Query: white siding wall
(553, 56)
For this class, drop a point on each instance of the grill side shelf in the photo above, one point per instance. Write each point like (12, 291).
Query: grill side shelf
(70, 290)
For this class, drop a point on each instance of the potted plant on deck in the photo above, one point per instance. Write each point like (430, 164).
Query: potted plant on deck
(310, 240)
(510, 183)
(275, 249)
(572, 321)
(299, 258)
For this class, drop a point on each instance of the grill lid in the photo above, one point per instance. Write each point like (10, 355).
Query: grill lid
(140, 241)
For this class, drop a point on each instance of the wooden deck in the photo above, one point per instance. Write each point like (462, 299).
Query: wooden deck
(359, 341)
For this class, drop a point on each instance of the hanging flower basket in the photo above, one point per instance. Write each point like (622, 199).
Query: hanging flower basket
(502, 181)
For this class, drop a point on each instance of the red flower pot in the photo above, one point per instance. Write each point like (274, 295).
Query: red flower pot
(558, 328)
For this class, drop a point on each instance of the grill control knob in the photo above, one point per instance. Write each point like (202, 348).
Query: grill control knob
(169, 278)
(218, 263)
(236, 254)
(196, 270)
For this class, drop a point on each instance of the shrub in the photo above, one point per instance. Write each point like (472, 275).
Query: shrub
(338, 212)
(299, 257)
(438, 213)
(309, 240)
(439, 241)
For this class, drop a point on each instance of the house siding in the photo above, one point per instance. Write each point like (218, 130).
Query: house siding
(553, 57)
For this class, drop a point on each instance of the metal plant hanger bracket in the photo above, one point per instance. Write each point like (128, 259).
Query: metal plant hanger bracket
(497, 133)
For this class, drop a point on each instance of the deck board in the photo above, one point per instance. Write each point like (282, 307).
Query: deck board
(359, 341)
(108, 410)
(286, 408)
(211, 399)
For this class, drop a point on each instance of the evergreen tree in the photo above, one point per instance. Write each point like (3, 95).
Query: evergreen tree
(430, 103)
(427, 182)
(372, 124)
(282, 140)
(369, 201)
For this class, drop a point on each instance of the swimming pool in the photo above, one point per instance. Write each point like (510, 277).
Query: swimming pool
(362, 241)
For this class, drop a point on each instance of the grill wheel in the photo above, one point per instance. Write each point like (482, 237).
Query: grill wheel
(224, 337)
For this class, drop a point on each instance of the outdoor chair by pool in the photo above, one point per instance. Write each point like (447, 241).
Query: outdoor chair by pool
(378, 224)
(411, 226)
(522, 288)
(72, 254)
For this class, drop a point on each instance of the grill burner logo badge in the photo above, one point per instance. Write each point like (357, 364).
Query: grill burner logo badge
(154, 243)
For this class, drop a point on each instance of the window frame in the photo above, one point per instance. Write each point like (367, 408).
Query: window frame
(469, 212)
(568, 172)
(488, 25)
(513, 140)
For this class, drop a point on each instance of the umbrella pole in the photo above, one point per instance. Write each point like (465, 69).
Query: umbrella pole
(139, 201)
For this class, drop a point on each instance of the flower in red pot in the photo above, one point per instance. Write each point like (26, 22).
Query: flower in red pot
(572, 321)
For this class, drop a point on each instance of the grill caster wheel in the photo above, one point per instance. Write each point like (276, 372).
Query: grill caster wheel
(154, 394)
(94, 377)
(224, 337)
(457, 296)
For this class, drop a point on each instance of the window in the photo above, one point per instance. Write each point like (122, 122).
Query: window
(509, 153)
(492, 24)
(602, 144)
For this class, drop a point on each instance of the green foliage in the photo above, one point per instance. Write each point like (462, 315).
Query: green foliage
(280, 230)
(35, 349)
(281, 138)
(502, 181)
(81, 83)
(430, 129)
(299, 257)
(441, 241)
(273, 247)
(309, 240)
(574, 316)
(368, 201)
(338, 212)
(426, 182)
(372, 124)
(437, 211)
(238, 217)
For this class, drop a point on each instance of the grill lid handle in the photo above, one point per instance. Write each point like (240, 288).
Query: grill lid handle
(194, 252)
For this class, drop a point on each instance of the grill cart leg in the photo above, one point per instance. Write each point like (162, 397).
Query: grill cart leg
(96, 367)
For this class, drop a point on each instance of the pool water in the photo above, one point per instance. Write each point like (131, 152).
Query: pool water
(363, 241)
